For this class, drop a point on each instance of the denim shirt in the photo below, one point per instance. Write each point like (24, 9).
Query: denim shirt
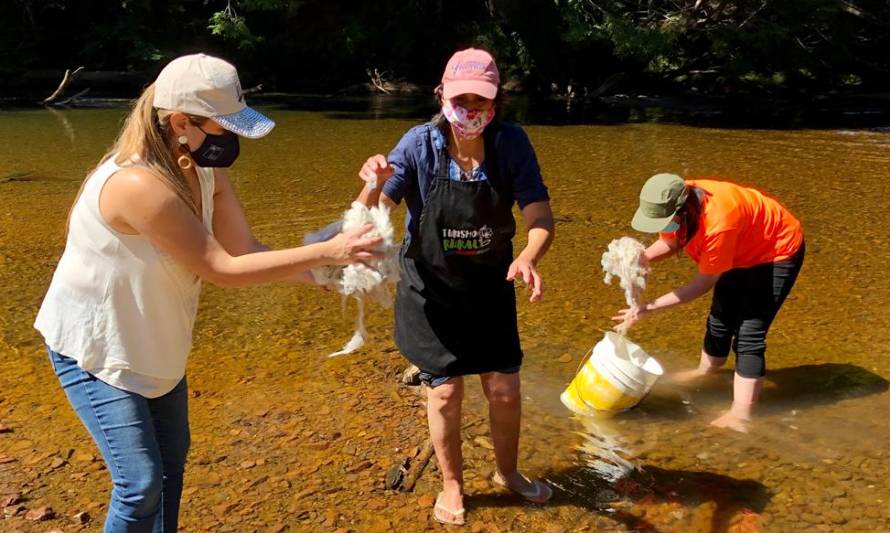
(416, 157)
(455, 173)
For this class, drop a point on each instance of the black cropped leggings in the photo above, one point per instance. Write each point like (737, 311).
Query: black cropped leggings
(746, 300)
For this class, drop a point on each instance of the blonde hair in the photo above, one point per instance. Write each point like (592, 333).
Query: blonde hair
(146, 140)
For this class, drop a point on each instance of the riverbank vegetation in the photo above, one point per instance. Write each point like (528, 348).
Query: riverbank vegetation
(555, 48)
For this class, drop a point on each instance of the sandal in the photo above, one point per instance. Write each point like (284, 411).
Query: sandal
(457, 514)
(540, 493)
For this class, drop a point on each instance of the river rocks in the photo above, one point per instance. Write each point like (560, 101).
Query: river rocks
(290, 464)
(841, 475)
(811, 518)
(96, 467)
(479, 486)
(35, 458)
(84, 457)
(39, 514)
(258, 481)
(703, 516)
(330, 518)
(872, 511)
(81, 518)
(20, 445)
(13, 510)
(835, 517)
(835, 491)
(484, 442)
(11, 499)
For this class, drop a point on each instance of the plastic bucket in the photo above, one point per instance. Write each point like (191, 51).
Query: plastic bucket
(616, 376)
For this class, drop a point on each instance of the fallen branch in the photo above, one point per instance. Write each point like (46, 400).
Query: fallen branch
(418, 464)
(377, 80)
(253, 90)
(66, 79)
(69, 100)
(607, 85)
(404, 473)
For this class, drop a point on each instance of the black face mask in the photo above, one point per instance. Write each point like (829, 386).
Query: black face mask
(217, 150)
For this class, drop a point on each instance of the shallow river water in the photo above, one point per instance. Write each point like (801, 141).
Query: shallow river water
(283, 437)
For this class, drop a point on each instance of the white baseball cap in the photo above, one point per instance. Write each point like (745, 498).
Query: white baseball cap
(207, 86)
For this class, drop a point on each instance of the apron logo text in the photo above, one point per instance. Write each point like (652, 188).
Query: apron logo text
(466, 241)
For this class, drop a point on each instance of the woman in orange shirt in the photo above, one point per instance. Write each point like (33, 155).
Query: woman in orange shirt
(749, 249)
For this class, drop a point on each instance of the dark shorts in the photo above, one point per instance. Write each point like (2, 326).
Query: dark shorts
(746, 300)
(433, 381)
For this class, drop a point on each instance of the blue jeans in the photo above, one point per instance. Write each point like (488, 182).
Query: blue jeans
(144, 443)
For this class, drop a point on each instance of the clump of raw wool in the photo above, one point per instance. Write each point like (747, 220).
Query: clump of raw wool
(622, 260)
(373, 278)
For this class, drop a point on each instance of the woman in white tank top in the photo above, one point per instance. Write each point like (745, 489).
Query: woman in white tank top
(157, 216)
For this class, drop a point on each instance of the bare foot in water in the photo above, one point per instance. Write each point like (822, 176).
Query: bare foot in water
(707, 366)
(729, 420)
(688, 376)
(534, 491)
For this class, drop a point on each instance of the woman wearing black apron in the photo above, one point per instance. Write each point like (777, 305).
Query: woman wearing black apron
(455, 306)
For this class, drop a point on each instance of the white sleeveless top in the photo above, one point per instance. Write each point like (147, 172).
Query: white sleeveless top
(117, 305)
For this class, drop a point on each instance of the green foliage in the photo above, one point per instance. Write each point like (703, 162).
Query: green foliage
(233, 28)
(323, 45)
(640, 43)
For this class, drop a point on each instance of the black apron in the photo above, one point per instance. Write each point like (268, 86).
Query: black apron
(455, 312)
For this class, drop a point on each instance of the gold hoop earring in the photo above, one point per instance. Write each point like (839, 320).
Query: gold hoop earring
(184, 162)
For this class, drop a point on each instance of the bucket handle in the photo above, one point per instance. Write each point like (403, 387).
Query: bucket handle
(584, 360)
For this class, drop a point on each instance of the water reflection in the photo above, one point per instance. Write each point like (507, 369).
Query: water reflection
(603, 447)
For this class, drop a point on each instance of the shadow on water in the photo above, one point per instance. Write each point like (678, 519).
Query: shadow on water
(797, 387)
(597, 498)
(715, 500)
(809, 385)
(724, 496)
(608, 471)
(788, 388)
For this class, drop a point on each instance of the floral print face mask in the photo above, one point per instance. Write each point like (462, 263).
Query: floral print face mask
(469, 124)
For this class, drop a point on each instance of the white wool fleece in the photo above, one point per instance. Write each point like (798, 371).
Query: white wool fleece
(371, 279)
(622, 260)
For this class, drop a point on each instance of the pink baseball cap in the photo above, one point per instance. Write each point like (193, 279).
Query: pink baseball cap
(471, 71)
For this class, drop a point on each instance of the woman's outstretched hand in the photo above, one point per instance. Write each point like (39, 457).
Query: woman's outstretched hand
(352, 247)
(627, 318)
(375, 171)
(529, 274)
